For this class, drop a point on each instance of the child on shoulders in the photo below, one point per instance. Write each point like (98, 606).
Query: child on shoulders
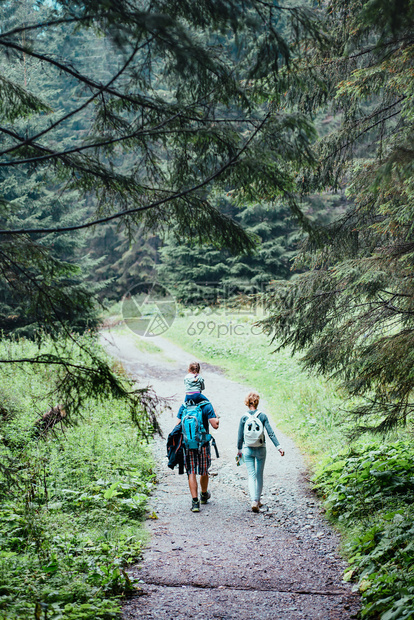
(194, 384)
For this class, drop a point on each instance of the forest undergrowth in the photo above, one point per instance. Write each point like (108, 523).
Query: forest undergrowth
(72, 502)
(366, 485)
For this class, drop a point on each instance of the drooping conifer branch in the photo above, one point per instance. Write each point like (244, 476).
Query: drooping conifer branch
(176, 110)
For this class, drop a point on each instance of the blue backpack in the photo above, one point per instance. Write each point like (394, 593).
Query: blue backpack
(194, 433)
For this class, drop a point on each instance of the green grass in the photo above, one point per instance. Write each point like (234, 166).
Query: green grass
(71, 506)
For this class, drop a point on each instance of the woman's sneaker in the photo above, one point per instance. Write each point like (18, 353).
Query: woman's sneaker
(204, 497)
(195, 506)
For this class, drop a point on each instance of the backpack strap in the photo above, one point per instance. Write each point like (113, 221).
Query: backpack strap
(254, 415)
(191, 403)
(249, 415)
(213, 443)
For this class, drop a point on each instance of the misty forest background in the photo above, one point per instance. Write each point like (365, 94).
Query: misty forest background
(238, 153)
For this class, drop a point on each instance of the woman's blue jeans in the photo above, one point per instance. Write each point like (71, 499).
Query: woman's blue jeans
(255, 461)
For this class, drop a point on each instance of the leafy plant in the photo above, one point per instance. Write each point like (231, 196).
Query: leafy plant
(70, 518)
(369, 490)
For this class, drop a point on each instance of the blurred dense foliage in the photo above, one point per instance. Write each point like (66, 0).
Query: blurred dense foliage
(200, 274)
(368, 491)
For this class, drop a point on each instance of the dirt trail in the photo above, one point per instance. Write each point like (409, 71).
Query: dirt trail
(227, 562)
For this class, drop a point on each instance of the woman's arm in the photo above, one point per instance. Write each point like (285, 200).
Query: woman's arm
(271, 433)
(240, 433)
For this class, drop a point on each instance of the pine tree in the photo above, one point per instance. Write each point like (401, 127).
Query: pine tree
(124, 261)
(44, 287)
(205, 275)
(147, 110)
(352, 312)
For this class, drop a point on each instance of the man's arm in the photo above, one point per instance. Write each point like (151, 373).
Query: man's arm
(214, 422)
(210, 413)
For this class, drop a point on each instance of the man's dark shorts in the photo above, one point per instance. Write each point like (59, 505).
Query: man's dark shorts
(198, 461)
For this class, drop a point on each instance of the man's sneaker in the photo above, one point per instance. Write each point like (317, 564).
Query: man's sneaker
(195, 505)
(204, 497)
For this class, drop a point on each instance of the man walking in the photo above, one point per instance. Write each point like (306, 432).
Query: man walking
(198, 460)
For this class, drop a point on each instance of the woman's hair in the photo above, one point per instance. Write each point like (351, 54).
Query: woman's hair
(194, 367)
(252, 399)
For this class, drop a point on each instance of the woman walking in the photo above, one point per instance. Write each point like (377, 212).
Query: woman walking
(251, 438)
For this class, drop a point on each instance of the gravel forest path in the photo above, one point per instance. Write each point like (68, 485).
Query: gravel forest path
(227, 562)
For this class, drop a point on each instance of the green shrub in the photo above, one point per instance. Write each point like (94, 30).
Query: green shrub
(370, 492)
(71, 504)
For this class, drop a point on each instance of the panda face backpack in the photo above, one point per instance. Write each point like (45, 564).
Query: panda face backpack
(253, 435)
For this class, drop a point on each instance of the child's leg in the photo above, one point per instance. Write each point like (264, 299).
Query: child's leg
(196, 398)
(202, 397)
